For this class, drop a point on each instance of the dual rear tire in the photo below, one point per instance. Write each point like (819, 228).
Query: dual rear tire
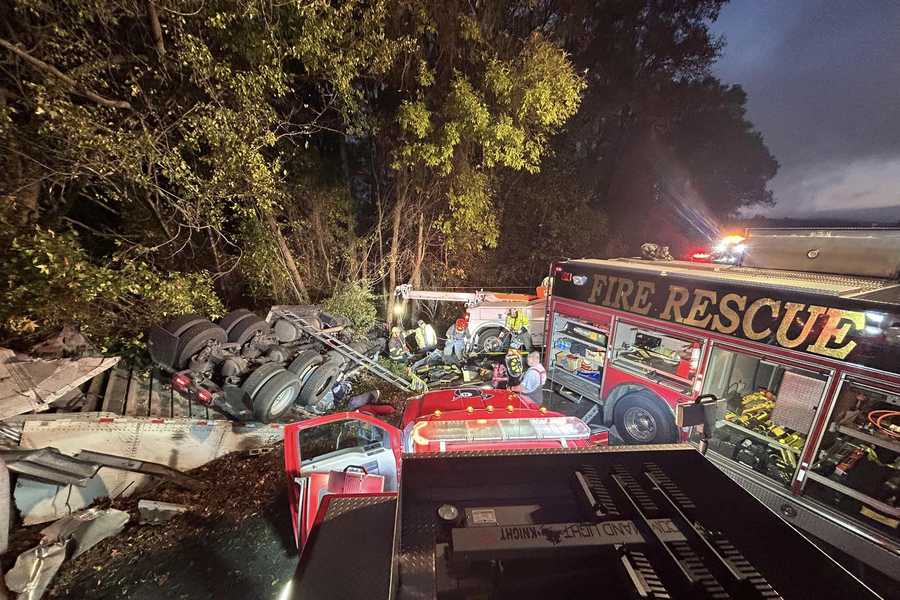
(272, 390)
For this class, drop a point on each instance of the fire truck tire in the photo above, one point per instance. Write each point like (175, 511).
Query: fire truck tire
(276, 396)
(259, 377)
(642, 418)
(490, 340)
(305, 363)
(179, 325)
(233, 318)
(244, 330)
(318, 384)
(194, 339)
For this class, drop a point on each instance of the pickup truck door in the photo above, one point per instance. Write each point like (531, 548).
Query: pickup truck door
(340, 453)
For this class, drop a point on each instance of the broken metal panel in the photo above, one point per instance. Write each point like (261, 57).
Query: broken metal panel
(86, 528)
(179, 444)
(31, 385)
(49, 465)
(154, 512)
(10, 433)
(35, 569)
(140, 466)
(5, 508)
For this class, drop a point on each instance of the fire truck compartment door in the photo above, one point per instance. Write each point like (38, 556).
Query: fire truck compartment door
(342, 446)
(340, 440)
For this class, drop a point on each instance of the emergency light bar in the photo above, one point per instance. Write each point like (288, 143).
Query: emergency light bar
(499, 430)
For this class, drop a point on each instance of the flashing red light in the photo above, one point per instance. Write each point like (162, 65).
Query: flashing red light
(557, 269)
(701, 256)
(204, 396)
(181, 382)
(565, 276)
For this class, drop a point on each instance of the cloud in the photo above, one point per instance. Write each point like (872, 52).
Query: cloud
(845, 186)
(823, 83)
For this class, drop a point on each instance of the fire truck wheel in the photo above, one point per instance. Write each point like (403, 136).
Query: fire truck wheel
(318, 384)
(259, 377)
(641, 418)
(276, 396)
(305, 363)
(194, 339)
(244, 330)
(233, 318)
(490, 340)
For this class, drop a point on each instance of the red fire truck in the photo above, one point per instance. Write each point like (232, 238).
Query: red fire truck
(355, 453)
(797, 332)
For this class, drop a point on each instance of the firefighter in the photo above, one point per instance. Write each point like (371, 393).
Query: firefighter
(397, 348)
(516, 319)
(458, 339)
(426, 338)
(533, 381)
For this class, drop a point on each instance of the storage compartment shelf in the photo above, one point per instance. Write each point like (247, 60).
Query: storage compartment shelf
(586, 388)
(893, 511)
(582, 340)
(773, 443)
(878, 440)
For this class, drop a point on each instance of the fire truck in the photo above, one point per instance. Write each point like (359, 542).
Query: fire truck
(796, 332)
(474, 499)
(355, 453)
(486, 313)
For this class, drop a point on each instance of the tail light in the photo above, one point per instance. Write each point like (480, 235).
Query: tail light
(204, 396)
(181, 382)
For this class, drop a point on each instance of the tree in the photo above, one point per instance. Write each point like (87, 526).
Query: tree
(663, 147)
(475, 101)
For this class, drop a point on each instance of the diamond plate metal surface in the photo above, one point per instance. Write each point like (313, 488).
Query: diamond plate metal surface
(339, 505)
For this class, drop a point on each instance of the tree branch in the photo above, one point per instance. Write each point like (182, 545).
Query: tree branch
(155, 27)
(50, 69)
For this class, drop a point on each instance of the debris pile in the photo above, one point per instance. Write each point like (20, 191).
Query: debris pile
(142, 543)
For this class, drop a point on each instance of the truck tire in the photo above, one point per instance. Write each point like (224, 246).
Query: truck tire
(194, 339)
(305, 363)
(335, 357)
(179, 325)
(259, 377)
(642, 418)
(245, 329)
(318, 384)
(233, 318)
(276, 396)
(490, 340)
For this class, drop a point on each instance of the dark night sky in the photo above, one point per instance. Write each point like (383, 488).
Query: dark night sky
(823, 79)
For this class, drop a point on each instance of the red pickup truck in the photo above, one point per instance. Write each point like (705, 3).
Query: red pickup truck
(353, 453)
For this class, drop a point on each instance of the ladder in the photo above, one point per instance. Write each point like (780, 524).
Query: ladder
(357, 358)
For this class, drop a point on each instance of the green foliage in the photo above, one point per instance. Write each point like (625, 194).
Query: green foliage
(49, 280)
(261, 266)
(356, 301)
(471, 222)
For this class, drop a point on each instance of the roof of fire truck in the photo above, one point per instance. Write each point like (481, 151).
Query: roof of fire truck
(843, 286)
(851, 263)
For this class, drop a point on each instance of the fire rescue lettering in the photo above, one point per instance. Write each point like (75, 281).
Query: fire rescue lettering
(790, 324)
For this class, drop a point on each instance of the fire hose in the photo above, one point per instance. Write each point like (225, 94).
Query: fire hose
(879, 420)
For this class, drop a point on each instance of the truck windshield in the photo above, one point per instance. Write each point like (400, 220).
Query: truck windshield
(495, 431)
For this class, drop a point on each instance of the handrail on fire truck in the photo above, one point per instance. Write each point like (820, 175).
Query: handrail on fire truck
(406, 292)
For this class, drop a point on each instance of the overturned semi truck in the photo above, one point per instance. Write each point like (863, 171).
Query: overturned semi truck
(268, 370)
